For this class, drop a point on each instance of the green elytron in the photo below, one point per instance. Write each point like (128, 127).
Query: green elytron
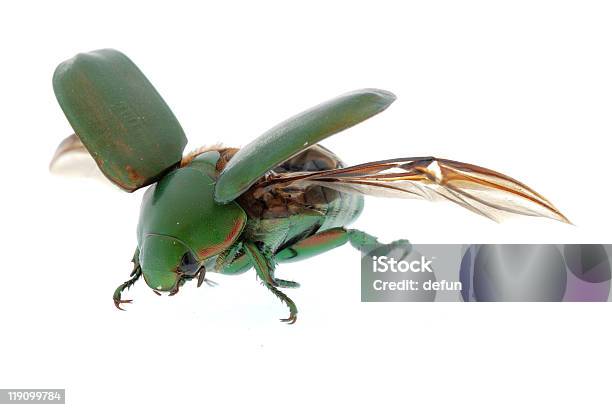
(281, 198)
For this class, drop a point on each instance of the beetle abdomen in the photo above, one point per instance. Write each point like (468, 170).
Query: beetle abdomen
(280, 217)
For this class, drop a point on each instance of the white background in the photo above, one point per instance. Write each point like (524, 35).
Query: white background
(523, 87)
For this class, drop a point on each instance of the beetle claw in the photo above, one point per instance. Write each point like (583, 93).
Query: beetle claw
(156, 292)
(290, 320)
(118, 303)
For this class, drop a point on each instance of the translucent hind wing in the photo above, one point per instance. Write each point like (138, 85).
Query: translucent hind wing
(480, 190)
(72, 159)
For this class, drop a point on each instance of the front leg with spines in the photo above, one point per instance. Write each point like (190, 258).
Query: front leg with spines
(134, 276)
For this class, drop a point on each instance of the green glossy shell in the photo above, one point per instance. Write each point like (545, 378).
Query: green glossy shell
(296, 134)
(181, 206)
(119, 116)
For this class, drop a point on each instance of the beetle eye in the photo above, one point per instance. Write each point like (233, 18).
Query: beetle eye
(189, 264)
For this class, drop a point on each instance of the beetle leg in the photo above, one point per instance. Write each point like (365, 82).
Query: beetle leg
(201, 277)
(330, 239)
(266, 259)
(287, 301)
(313, 245)
(134, 276)
(365, 242)
(281, 283)
(125, 286)
(264, 266)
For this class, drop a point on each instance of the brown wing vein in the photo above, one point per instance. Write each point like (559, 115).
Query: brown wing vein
(481, 190)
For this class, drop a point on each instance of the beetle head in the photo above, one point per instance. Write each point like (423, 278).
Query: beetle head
(167, 263)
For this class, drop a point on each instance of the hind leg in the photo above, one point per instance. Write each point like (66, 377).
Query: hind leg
(328, 240)
(365, 242)
(313, 245)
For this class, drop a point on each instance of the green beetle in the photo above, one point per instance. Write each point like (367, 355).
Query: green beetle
(281, 198)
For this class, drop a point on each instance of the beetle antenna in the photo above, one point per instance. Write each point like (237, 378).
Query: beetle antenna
(201, 276)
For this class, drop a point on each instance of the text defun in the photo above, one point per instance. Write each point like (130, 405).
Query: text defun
(410, 284)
